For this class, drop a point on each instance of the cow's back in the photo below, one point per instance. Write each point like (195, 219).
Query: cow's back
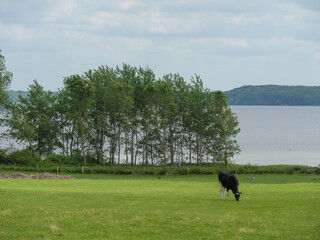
(228, 180)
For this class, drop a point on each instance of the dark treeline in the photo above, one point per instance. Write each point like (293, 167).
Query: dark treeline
(275, 95)
(125, 115)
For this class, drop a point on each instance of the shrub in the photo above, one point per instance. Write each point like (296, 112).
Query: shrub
(59, 159)
(181, 171)
(149, 171)
(162, 171)
(123, 171)
(3, 157)
(23, 158)
(56, 159)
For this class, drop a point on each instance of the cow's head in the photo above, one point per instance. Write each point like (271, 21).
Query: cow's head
(237, 196)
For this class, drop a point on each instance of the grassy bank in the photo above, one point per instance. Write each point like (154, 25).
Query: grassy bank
(154, 207)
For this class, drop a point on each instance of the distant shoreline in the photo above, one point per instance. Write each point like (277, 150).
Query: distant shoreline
(274, 95)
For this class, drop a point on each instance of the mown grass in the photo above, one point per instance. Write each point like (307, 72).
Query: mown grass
(142, 207)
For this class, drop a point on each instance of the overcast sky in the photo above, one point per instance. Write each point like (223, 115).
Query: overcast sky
(228, 43)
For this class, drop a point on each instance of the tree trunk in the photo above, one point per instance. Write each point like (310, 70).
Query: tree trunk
(213, 159)
(137, 150)
(101, 143)
(200, 151)
(171, 145)
(197, 149)
(110, 152)
(32, 149)
(190, 150)
(132, 147)
(126, 146)
(151, 155)
(119, 146)
(82, 144)
(225, 152)
(147, 144)
(71, 140)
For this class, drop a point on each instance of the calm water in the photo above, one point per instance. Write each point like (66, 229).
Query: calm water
(278, 135)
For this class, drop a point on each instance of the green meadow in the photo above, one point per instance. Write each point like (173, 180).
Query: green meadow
(151, 207)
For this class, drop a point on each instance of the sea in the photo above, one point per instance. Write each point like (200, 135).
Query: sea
(278, 135)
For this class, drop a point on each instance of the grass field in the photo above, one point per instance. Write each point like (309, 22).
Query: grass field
(181, 207)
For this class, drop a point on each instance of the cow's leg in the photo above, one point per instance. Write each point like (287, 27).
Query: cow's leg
(221, 191)
(227, 194)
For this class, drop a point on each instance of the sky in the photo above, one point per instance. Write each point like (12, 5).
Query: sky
(228, 43)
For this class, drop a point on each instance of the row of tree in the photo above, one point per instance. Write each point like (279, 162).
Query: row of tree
(126, 115)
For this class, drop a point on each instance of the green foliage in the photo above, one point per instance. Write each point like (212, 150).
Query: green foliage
(59, 159)
(33, 120)
(22, 158)
(80, 91)
(5, 80)
(3, 157)
(275, 95)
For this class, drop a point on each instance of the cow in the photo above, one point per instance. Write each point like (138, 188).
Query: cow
(229, 181)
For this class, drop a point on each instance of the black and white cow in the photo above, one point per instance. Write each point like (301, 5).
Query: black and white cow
(228, 181)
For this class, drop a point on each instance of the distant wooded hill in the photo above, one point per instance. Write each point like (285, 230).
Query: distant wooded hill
(256, 95)
(14, 95)
(275, 95)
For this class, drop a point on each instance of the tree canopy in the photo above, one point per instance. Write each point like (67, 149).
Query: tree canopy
(5, 79)
(126, 115)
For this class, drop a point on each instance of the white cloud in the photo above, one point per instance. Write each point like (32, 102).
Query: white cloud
(100, 19)
(292, 14)
(125, 5)
(242, 19)
(4, 30)
(242, 43)
(158, 28)
(215, 43)
(64, 9)
(75, 35)
(143, 23)
(16, 31)
(157, 21)
(317, 56)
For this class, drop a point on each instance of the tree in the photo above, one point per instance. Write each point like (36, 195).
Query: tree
(120, 98)
(198, 118)
(39, 107)
(65, 123)
(33, 119)
(145, 106)
(164, 100)
(80, 91)
(226, 129)
(100, 128)
(20, 126)
(5, 80)
(177, 129)
(127, 76)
